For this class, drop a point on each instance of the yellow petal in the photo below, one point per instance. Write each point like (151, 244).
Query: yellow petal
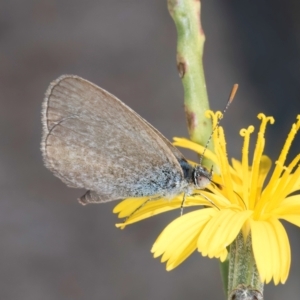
(218, 200)
(189, 248)
(289, 206)
(223, 255)
(289, 210)
(185, 143)
(264, 168)
(126, 207)
(178, 239)
(134, 209)
(294, 219)
(220, 231)
(271, 250)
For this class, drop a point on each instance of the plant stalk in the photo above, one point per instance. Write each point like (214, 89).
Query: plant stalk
(243, 278)
(190, 44)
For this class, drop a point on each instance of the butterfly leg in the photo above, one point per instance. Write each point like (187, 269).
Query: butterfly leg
(141, 206)
(206, 198)
(182, 203)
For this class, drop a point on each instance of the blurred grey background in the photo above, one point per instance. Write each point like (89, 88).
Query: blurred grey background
(52, 247)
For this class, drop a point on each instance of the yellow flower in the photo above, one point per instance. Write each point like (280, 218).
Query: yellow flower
(242, 202)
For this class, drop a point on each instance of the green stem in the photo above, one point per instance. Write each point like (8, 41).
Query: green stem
(190, 43)
(243, 278)
(224, 268)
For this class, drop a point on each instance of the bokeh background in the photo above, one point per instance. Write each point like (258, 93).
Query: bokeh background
(52, 247)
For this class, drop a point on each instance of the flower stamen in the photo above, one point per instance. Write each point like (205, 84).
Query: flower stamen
(224, 166)
(260, 145)
(245, 161)
(282, 157)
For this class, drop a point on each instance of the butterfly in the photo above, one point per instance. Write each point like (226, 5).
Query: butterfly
(92, 140)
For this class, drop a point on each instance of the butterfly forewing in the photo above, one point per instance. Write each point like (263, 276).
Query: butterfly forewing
(94, 141)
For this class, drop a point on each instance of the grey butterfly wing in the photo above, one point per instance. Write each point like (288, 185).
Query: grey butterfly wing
(173, 149)
(94, 141)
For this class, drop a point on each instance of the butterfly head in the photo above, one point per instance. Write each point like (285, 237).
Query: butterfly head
(202, 177)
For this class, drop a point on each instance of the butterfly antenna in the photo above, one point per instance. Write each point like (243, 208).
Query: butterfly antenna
(230, 99)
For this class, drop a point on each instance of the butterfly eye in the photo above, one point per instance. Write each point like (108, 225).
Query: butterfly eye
(202, 181)
(202, 177)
